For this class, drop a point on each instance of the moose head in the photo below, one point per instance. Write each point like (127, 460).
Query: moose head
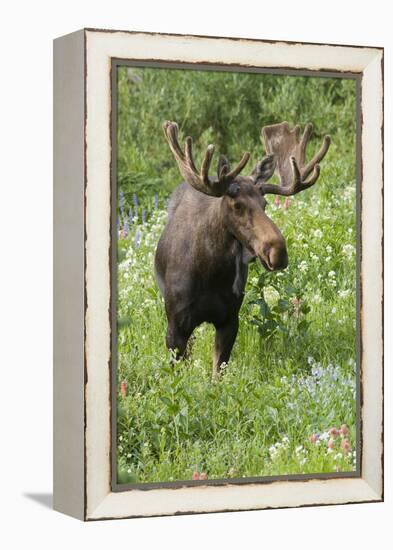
(243, 203)
(217, 225)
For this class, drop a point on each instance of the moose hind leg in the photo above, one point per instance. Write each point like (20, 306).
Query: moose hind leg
(225, 338)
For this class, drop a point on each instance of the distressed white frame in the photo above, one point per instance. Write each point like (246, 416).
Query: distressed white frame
(99, 501)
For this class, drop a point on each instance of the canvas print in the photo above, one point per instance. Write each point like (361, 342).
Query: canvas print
(236, 275)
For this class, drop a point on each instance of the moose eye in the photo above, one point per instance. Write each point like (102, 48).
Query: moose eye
(239, 208)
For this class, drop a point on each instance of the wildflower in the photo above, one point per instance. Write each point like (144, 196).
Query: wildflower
(286, 203)
(331, 274)
(313, 438)
(318, 233)
(203, 475)
(334, 432)
(344, 430)
(122, 201)
(303, 266)
(296, 305)
(155, 201)
(138, 238)
(123, 388)
(143, 215)
(130, 216)
(195, 475)
(277, 200)
(345, 446)
(348, 250)
(135, 200)
(330, 443)
(344, 293)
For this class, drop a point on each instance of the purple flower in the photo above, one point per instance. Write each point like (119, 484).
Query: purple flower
(130, 216)
(122, 199)
(126, 227)
(155, 201)
(143, 215)
(135, 200)
(138, 238)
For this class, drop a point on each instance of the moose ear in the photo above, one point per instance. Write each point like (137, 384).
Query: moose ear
(264, 169)
(223, 166)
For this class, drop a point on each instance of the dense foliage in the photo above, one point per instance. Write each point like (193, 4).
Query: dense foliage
(291, 381)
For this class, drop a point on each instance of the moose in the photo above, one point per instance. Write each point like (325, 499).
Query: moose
(217, 225)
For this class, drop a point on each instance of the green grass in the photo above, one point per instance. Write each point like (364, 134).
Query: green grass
(292, 372)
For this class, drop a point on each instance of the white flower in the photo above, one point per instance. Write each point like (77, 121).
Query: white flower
(348, 250)
(329, 249)
(318, 233)
(334, 310)
(344, 293)
(271, 295)
(331, 274)
(303, 266)
(324, 436)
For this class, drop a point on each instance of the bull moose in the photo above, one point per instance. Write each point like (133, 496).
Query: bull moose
(217, 225)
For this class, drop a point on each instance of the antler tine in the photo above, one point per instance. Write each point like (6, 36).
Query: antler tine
(185, 161)
(317, 157)
(289, 150)
(188, 153)
(238, 168)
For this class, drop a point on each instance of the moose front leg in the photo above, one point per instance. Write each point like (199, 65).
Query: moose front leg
(176, 340)
(225, 338)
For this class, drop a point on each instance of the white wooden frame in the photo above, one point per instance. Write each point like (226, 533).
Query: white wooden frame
(82, 382)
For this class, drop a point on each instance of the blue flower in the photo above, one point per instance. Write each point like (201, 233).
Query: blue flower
(138, 238)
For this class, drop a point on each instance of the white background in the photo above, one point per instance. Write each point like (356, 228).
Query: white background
(26, 288)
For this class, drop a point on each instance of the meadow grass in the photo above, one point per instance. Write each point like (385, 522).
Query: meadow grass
(291, 382)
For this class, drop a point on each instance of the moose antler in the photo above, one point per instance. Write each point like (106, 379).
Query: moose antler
(290, 152)
(200, 180)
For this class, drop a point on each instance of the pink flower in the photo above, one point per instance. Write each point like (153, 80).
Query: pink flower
(277, 200)
(195, 475)
(344, 430)
(286, 203)
(123, 388)
(330, 443)
(334, 432)
(346, 446)
(203, 475)
(296, 305)
(313, 438)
